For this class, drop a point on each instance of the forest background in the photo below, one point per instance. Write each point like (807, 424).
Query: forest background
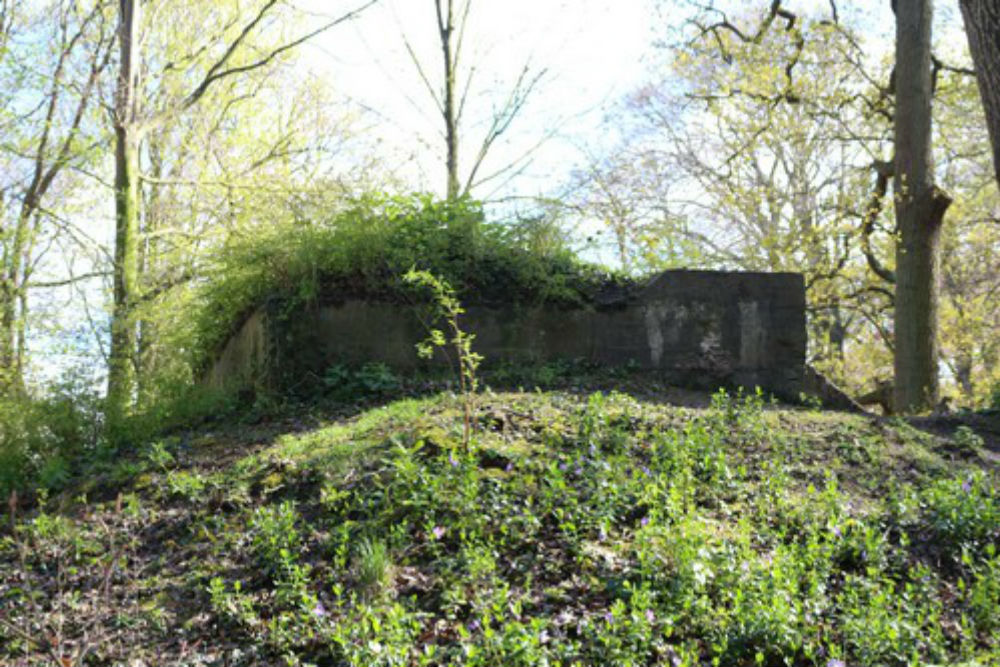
(253, 143)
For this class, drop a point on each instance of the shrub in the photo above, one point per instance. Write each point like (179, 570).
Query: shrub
(364, 250)
(42, 439)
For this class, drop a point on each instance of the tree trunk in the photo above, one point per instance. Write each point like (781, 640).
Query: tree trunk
(446, 28)
(121, 363)
(920, 208)
(12, 302)
(982, 26)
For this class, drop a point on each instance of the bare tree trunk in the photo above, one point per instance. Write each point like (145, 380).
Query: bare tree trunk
(121, 366)
(920, 208)
(446, 28)
(148, 332)
(982, 26)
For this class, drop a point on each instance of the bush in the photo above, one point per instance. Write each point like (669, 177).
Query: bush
(364, 251)
(43, 439)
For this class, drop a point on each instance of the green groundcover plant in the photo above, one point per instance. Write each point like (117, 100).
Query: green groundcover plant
(596, 530)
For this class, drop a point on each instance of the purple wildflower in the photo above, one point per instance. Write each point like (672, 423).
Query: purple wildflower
(509, 466)
(438, 532)
(836, 532)
(650, 616)
(609, 617)
(834, 662)
(473, 625)
(319, 610)
(646, 471)
(967, 485)
(644, 521)
(562, 467)
(452, 460)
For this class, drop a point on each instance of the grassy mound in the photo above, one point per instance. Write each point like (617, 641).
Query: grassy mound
(599, 530)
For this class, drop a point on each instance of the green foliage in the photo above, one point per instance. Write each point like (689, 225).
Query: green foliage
(597, 530)
(373, 565)
(994, 398)
(373, 378)
(447, 307)
(187, 485)
(364, 250)
(983, 594)
(964, 512)
(274, 536)
(43, 441)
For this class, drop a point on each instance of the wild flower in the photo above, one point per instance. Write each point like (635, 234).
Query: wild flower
(439, 532)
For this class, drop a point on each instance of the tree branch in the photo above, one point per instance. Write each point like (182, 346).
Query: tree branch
(219, 71)
(884, 172)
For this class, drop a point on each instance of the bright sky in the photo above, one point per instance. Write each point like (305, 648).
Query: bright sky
(592, 52)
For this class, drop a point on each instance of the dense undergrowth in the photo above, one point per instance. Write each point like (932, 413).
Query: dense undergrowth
(365, 250)
(575, 531)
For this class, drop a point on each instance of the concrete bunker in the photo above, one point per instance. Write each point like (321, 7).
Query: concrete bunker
(699, 329)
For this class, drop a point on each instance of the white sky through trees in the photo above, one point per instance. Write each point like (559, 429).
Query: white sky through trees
(593, 52)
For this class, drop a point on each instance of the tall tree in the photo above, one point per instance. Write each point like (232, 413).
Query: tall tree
(452, 22)
(755, 153)
(219, 57)
(48, 101)
(920, 209)
(982, 26)
(121, 366)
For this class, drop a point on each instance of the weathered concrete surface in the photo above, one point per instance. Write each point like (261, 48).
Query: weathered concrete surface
(243, 360)
(700, 329)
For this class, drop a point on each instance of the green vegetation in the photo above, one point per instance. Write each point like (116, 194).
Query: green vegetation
(578, 531)
(367, 248)
(42, 442)
(445, 306)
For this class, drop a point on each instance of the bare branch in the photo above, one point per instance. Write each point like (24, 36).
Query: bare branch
(219, 71)
(69, 281)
